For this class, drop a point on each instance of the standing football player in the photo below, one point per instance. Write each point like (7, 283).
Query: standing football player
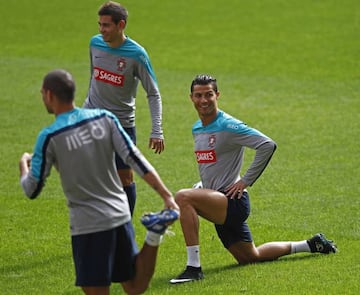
(81, 144)
(118, 63)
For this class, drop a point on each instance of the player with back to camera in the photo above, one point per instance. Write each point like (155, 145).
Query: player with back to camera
(118, 63)
(81, 145)
(220, 140)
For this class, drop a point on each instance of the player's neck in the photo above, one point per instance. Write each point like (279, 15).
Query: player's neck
(118, 42)
(63, 108)
(207, 119)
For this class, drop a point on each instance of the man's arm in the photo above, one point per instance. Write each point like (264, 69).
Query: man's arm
(262, 158)
(154, 180)
(24, 164)
(28, 182)
(149, 83)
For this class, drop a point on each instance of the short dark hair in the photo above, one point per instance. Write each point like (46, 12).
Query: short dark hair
(60, 83)
(115, 10)
(204, 79)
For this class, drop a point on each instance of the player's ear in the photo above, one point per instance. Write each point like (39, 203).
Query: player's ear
(49, 95)
(122, 24)
(45, 93)
(191, 97)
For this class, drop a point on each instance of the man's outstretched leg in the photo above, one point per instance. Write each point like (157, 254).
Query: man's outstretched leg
(156, 224)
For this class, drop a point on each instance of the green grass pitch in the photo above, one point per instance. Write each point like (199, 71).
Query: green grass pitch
(288, 68)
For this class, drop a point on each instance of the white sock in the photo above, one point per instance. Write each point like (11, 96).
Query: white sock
(193, 254)
(301, 246)
(153, 239)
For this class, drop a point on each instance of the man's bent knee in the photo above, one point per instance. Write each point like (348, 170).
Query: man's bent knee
(180, 196)
(244, 252)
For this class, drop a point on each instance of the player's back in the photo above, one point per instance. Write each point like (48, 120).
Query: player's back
(80, 146)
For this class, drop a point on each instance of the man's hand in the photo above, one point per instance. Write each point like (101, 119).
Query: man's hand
(157, 144)
(171, 204)
(24, 164)
(236, 190)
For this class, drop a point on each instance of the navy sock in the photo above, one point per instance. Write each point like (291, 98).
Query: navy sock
(131, 195)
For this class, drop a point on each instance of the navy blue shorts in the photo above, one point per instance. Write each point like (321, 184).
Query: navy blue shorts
(235, 228)
(104, 257)
(119, 162)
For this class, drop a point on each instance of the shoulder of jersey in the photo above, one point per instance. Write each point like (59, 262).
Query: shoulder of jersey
(130, 46)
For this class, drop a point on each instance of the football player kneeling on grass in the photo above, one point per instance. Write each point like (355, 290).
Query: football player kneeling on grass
(220, 197)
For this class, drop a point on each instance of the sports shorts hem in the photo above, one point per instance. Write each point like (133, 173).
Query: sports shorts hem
(235, 227)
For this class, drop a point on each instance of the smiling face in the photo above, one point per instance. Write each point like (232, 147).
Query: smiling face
(111, 32)
(204, 98)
